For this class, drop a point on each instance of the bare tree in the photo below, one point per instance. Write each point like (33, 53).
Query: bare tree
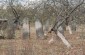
(13, 24)
(59, 23)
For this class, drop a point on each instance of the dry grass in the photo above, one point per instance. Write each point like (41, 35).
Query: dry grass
(35, 46)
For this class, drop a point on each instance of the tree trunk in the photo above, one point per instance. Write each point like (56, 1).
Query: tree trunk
(11, 32)
(11, 29)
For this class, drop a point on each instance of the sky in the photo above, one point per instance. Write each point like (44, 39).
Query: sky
(23, 2)
(26, 2)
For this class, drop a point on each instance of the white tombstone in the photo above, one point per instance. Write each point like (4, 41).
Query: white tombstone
(69, 29)
(26, 28)
(39, 28)
(60, 32)
(63, 39)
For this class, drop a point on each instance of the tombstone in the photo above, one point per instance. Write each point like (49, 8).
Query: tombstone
(46, 26)
(3, 26)
(69, 29)
(73, 24)
(52, 38)
(26, 28)
(68, 25)
(59, 31)
(39, 29)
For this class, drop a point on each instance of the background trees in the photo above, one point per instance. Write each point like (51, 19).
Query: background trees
(48, 11)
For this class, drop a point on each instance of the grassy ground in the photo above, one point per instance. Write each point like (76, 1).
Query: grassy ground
(35, 46)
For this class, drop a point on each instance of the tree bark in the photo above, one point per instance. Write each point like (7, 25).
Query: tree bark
(11, 29)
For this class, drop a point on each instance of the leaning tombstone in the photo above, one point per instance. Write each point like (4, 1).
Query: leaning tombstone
(39, 29)
(26, 28)
(59, 31)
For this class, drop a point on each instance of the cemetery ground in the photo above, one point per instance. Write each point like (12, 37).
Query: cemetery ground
(34, 46)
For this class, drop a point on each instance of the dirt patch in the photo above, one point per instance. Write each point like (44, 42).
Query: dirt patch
(35, 46)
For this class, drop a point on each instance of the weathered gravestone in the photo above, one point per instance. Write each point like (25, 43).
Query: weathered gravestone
(26, 28)
(73, 25)
(59, 31)
(69, 29)
(46, 26)
(3, 27)
(39, 28)
(68, 26)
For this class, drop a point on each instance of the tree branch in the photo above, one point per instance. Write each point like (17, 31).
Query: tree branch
(15, 13)
(52, 29)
